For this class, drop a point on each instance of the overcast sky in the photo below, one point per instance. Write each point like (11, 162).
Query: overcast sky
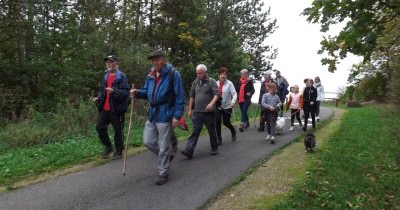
(298, 42)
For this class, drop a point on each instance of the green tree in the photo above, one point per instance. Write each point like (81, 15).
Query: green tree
(366, 21)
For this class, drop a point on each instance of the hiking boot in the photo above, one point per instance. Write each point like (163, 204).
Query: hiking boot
(214, 151)
(163, 179)
(117, 155)
(234, 136)
(106, 152)
(219, 141)
(188, 154)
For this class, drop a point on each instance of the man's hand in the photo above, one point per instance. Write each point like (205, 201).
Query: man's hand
(249, 94)
(175, 122)
(133, 92)
(312, 103)
(110, 90)
(232, 105)
(209, 107)
(94, 99)
(272, 108)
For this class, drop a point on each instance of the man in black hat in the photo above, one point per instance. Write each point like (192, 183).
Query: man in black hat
(112, 103)
(164, 91)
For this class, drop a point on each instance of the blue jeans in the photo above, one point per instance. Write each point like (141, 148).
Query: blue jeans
(244, 107)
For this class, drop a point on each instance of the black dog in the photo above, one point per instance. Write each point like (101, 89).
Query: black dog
(309, 142)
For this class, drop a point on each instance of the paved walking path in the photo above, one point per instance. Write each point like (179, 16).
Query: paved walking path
(192, 182)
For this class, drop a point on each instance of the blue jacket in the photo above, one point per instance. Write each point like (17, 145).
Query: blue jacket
(166, 109)
(119, 98)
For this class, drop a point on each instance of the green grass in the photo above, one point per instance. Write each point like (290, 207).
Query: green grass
(356, 167)
(20, 161)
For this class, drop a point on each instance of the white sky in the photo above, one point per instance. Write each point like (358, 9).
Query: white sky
(298, 42)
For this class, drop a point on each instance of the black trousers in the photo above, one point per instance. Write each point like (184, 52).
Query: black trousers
(295, 113)
(225, 117)
(117, 122)
(309, 109)
(198, 119)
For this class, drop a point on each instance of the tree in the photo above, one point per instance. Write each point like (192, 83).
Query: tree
(253, 26)
(366, 21)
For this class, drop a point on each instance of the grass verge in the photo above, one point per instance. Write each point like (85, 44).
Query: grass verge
(272, 178)
(356, 168)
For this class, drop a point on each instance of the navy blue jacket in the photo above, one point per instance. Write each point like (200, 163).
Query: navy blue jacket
(119, 98)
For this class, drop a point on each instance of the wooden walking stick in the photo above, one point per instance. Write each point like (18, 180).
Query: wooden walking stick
(127, 136)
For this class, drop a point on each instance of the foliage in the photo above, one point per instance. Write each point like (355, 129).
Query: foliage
(356, 168)
(372, 31)
(366, 22)
(52, 51)
(44, 128)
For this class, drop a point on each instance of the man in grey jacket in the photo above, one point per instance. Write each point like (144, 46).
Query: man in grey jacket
(204, 94)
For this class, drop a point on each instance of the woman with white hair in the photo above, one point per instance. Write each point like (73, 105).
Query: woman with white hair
(245, 90)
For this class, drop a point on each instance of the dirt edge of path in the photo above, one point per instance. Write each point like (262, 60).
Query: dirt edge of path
(275, 178)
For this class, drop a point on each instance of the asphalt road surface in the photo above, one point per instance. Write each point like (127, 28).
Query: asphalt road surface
(192, 182)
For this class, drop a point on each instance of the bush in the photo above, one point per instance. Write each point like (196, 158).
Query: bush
(43, 128)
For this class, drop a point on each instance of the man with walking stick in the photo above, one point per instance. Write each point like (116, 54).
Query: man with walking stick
(164, 91)
(112, 103)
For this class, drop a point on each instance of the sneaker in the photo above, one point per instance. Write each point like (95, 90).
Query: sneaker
(268, 137)
(189, 155)
(106, 152)
(272, 140)
(291, 128)
(214, 152)
(162, 180)
(317, 119)
(117, 155)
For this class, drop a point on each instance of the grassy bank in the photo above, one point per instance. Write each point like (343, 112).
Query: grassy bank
(33, 157)
(356, 167)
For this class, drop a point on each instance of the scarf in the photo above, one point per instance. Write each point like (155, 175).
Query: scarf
(243, 83)
(317, 84)
(221, 85)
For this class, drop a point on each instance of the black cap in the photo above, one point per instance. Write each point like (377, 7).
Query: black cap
(111, 58)
(156, 54)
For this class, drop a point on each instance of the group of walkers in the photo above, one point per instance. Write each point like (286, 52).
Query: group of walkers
(211, 104)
